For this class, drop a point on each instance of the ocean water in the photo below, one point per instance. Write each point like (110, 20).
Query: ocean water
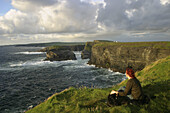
(26, 80)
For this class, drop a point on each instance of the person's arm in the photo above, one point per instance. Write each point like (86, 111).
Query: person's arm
(127, 89)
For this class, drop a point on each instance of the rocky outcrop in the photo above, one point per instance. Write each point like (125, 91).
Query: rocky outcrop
(118, 56)
(86, 53)
(60, 55)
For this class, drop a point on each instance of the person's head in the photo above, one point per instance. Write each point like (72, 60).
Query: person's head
(130, 73)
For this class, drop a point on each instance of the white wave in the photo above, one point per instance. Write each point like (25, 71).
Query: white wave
(30, 63)
(77, 64)
(32, 53)
(90, 65)
(75, 67)
(110, 70)
(118, 73)
(113, 73)
(67, 61)
(78, 54)
(41, 62)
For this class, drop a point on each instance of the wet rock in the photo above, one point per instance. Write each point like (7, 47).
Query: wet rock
(60, 55)
(85, 54)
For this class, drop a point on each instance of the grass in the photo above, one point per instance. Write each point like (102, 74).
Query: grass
(161, 45)
(55, 47)
(154, 79)
(88, 45)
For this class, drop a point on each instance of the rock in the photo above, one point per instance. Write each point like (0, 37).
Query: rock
(60, 55)
(85, 54)
(76, 47)
(118, 56)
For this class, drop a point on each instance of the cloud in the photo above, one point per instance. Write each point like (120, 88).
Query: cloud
(16, 22)
(32, 5)
(72, 20)
(165, 2)
(49, 17)
(69, 16)
(135, 15)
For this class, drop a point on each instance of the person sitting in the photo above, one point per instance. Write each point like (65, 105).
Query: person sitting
(133, 88)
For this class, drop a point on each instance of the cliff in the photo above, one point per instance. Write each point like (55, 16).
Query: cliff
(117, 56)
(155, 81)
(86, 53)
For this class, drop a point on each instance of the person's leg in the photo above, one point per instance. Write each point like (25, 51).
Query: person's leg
(121, 89)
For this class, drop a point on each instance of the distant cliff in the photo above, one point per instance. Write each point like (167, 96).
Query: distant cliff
(117, 55)
(57, 47)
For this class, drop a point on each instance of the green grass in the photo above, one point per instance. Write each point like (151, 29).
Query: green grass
(88, 45)
(161, 45)
(155, 81)
(55, 47)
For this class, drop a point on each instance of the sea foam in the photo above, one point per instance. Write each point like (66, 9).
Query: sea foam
(30, 63)
(31, 53)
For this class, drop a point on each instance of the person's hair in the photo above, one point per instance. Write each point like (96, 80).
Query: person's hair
(130, 72)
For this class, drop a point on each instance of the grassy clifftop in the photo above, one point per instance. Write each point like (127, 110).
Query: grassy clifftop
(155, 81)
(160, 45)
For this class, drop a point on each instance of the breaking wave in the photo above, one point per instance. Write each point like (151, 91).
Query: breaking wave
(30, 53)
(29, 63)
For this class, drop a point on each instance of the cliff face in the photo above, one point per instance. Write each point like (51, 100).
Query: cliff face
(86, 53)
(118, 56)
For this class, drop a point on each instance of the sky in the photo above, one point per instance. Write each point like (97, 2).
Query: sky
(39, 21)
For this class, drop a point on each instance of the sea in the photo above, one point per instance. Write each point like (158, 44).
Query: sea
(26, 79)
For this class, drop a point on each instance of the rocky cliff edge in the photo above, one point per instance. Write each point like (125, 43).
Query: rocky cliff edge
(117, 55)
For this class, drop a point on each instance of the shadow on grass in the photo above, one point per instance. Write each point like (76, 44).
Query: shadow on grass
(156, 88)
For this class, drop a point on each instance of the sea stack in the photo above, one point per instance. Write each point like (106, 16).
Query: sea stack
(59, 55)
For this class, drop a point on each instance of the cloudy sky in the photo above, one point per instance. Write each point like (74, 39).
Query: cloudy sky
(37, 21)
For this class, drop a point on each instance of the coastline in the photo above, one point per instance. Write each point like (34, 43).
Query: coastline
(85, 99)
